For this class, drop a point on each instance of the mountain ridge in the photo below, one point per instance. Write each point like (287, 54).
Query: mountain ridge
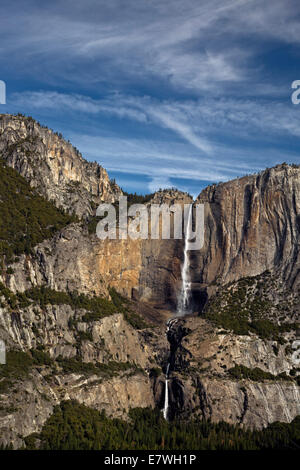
(53, 166)
(85, 318)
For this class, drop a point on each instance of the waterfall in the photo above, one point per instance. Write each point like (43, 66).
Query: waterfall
(183, 299)
(184, 295)
(166, 406)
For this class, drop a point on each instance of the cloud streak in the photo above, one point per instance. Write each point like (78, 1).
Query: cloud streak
(190, 119)
(199, 47)
(197, 90)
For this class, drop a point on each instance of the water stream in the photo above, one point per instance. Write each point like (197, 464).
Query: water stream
(183, 299)
(166, 406)
(185, 291)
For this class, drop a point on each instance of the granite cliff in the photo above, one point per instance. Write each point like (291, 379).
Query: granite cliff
(252, 225)
(53, 166)
(84, 318)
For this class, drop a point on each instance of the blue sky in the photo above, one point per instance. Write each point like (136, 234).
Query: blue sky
(161, 93)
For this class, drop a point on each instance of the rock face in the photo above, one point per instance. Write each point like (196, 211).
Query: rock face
(54, 166)
(36, 396)
(199, 382)
(251, 225)
(159, 279)
(61, 331)
(70, 261)
(150, 268)
(77, 260)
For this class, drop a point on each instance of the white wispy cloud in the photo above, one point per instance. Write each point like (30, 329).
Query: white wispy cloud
(187, 81)
(195, 46)
(193, 120)
(132, 108)
(53, 100)
(159, 182)
(165, 161)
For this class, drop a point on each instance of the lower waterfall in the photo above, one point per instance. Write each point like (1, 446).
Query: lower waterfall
(166, 406)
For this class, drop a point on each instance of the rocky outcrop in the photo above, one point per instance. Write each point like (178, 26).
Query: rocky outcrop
(34, 398)
(58, 328)
(266, 402)
(53, 166)
(200, 382)
(74, 259)
(251, 225)
(161, 259)
(67, 262)
(65, 335)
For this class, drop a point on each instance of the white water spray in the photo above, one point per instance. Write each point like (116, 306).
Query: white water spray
(183, 299)
(166, 406)
(185, 292)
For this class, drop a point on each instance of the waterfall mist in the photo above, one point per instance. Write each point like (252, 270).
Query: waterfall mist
(166, 406)
(185, 291)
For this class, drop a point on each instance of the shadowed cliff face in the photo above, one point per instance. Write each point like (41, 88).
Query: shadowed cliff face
(201, 383)
(148, 270)
(251, 225)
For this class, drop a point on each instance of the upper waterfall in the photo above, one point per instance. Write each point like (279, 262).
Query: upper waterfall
(185, 291)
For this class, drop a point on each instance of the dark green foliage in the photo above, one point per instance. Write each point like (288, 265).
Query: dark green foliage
(44, 295)
(75, 426)
(92, 224)
(120, 302)
(26, 218)
(9, 296)
(155, 372)
(123, 305)
(41, 357)
(135, 320)
(75, 365)
(265, 328)
(134, 198)
(18, 365)
(19, 299)
(96, 307)
(84, 336)
(6, 447)
(93, 221)
(245, 305)
(258, 375)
